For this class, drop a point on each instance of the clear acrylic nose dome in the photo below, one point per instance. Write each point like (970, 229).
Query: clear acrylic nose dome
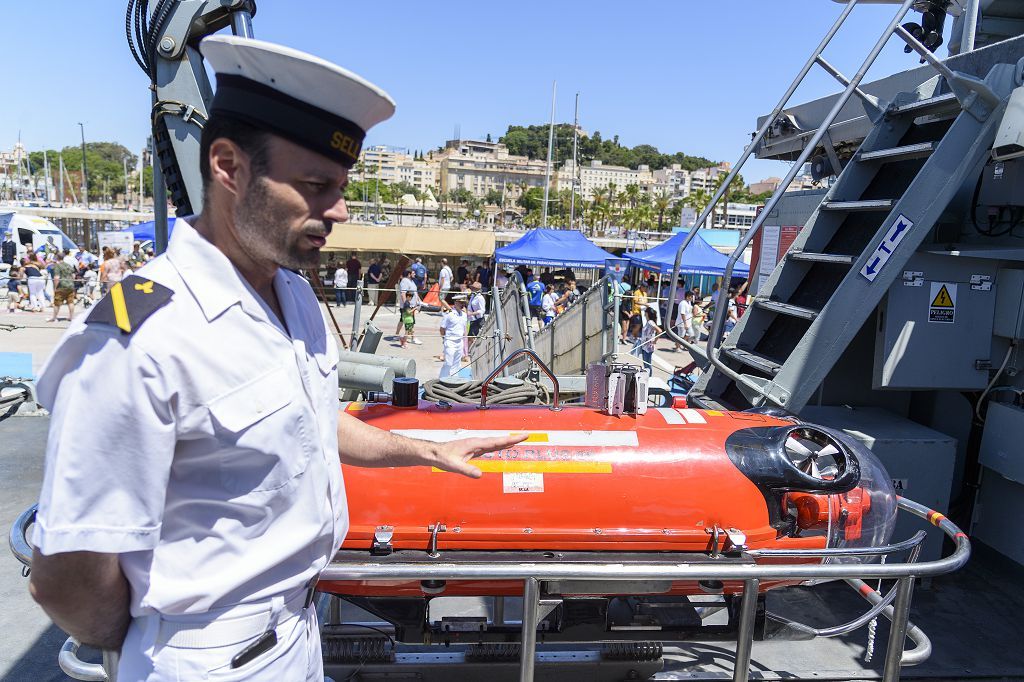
(863, 516)
(877, 503)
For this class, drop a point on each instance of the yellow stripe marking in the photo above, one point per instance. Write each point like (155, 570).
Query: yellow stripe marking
(714, 413)
(355, 407)
(533, 437)
(501, 466)
(935, 518)
(120, 309)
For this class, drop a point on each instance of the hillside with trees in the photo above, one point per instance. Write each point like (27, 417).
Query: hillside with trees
(532, 141)
(105, 167)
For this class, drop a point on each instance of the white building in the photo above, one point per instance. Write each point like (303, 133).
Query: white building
(395, 164)
(481, 167)
(596, 175)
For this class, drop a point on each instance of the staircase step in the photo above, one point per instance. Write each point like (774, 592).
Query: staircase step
(705, 402)
(905, 153)
(751, 359)
(862, 205)
(931, 105)
(811, 257)
(786, 308)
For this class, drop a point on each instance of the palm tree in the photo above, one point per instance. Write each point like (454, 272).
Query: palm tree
(632, 194)
(698, 199)
(661, 205)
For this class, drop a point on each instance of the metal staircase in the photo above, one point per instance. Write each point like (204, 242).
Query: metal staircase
(876, 214)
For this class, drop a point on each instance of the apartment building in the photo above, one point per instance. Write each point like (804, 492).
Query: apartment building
(396, 164)
(480, 167)
(679, 183)
(800, 182)
(597, 175)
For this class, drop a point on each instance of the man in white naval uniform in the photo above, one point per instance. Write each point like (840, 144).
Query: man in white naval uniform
(193, 486)
(453, 334)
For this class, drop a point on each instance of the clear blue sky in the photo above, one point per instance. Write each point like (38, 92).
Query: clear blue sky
(683, 75)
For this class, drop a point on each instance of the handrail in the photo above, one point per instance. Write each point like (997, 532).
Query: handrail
(505, 363)
(18, 538)
(747, 151)
(533, 573)
(371, 570)
(718, 322)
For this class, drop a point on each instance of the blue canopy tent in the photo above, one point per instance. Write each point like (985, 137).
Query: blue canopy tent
(147, 231)
(700, 258)
(555, 248)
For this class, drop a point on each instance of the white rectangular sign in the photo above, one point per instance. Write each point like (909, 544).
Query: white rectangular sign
(116, 240)
(893, 236)
(769, 256)
(522, 482)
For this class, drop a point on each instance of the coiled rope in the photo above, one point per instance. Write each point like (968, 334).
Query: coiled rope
(500, 391)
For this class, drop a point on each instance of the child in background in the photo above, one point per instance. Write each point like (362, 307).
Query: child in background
(13, 294)
(648, 335)
(409, 308)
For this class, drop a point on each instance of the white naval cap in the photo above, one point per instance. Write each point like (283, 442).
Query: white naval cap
(303, 98)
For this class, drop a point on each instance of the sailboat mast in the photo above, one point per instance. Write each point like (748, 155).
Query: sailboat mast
(551, 142)
(575, 164)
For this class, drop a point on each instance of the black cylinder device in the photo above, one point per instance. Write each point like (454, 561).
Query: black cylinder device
(405, 392)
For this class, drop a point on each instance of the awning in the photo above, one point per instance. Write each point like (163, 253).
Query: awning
(700, 258)
(147, 231)
(413, 241)
(543, 246)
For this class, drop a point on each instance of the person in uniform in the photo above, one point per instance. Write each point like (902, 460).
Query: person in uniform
(193, 487)
(454, 325)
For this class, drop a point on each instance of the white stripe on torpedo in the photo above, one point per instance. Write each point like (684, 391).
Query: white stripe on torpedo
(671, 416)
(561, 438)
(692, 416)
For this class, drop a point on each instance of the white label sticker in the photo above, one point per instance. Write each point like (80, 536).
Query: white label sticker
(893, 236)
(942, 306)
(522, 482)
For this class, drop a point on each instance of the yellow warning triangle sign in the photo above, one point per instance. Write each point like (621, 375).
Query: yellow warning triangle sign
(942, 299)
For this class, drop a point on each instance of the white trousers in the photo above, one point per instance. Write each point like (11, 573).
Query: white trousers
(37, 292)
(452, 358)
(296, 656)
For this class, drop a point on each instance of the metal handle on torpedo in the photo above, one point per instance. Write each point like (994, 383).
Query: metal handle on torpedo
(540, 364)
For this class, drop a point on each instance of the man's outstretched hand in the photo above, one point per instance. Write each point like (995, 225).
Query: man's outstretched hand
(455, 456)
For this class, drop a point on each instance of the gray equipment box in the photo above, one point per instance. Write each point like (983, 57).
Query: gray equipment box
(1002, 442)
(1002, 184)
(1009, 319)
(919, 460)
(998, 513)
(934, 328)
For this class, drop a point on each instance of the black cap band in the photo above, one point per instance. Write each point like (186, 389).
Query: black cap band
(312, 127)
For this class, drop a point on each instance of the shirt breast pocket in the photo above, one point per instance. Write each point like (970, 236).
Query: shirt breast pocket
(263, 441)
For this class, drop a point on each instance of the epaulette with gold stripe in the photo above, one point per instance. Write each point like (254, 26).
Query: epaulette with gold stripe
(129, 302)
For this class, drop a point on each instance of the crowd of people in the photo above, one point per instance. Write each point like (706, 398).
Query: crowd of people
(50, 278)
(643, 308)
(463, 299)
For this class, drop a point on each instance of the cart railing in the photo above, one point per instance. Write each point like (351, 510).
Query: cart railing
(534, 574)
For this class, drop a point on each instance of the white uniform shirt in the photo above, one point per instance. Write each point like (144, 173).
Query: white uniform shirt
(340, 278)
(684, 317)
(477, 307)
(548, 305)
(453, 323)
(202, 448)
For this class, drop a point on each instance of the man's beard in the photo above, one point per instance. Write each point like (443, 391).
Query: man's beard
(263, 234)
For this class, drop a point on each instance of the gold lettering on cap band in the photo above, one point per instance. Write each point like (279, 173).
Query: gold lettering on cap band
(344, 143)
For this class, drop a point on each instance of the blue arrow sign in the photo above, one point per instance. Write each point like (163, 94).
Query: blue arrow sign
(899, 229)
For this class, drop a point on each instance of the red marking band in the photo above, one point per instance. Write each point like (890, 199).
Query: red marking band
(866, 589)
